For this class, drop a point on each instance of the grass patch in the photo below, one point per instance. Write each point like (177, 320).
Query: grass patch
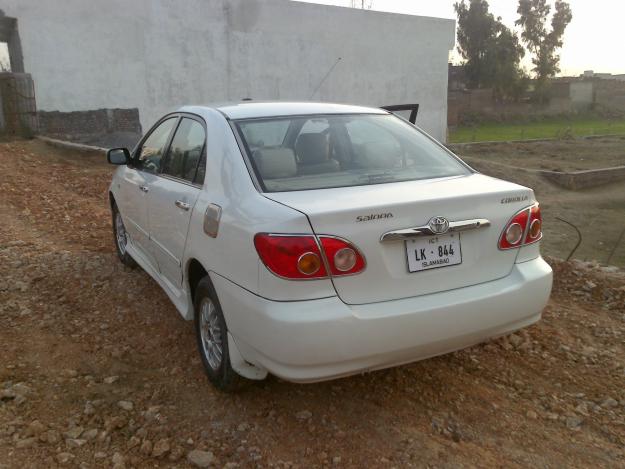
(549, 128)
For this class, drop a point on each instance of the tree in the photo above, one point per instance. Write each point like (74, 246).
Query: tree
(541, 42)
(491, 51)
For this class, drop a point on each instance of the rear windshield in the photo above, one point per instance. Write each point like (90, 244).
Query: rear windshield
(319, 152)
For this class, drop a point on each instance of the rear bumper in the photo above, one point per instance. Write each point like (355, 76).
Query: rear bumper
(322, 339)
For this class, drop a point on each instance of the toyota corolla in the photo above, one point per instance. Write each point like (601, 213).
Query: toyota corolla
(314, 241)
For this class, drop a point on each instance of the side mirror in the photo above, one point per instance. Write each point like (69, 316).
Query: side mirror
(118, 156)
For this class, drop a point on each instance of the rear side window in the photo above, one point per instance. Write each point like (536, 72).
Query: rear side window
(186, 150)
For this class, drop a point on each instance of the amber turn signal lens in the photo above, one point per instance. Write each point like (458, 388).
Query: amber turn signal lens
(309, 263)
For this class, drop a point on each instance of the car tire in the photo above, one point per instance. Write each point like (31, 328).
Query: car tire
(121, 239)
(212, 339)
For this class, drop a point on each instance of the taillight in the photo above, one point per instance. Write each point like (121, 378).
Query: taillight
(525, 227)
(535, 229)
(299, 256)
(343, 257)
(292, 257)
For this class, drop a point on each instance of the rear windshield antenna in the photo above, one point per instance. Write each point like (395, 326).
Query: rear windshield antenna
(325, 77)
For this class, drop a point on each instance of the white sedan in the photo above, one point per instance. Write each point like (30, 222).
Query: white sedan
(314, 241)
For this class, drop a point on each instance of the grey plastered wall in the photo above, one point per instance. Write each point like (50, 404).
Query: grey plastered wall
(159, 54)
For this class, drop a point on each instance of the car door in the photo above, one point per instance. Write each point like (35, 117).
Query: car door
(135, 186)
(173, 196)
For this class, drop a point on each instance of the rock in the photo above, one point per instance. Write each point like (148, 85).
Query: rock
(609, 403)
(161, 447)
(111, 379)
(243, 427)
(26, 443)
(515, 340)
(70, 373)
(53, 437)
(336, 460)
(200, 458)
(114, 423)
(89, 409)
(90, 434)
(303, 415)
(118, 461)
(74, 432)
(573, 422)
(133, 441)
(582, 408)
(75, 442)
(146, 447)
(100, 455)
(589, 286)
(126, 405)
(64, 458)
(176, 453)
(35, 428)
(531, 415)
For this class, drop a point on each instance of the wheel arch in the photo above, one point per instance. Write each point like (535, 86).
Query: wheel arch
(195, 272)
(112, 201)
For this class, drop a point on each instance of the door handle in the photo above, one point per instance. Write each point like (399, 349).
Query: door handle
(144, 188)
(182, 205)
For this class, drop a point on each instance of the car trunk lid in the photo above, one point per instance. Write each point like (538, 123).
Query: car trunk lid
(363, 214)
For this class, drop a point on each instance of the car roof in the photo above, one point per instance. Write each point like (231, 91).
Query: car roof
(257, 109)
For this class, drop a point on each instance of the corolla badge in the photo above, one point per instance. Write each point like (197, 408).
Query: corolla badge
(439, 225)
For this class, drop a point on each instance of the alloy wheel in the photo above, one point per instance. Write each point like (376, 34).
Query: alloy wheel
(120, 234)
(210, 331)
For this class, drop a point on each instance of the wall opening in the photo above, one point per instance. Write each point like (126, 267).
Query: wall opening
(5, 59)
(12, 48)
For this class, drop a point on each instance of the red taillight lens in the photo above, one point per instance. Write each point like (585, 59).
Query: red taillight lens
(299, 256)
(343, 257)
(292, 257)
(525, 227)
(535, 231)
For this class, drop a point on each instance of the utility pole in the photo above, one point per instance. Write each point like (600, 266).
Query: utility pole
(362, 4)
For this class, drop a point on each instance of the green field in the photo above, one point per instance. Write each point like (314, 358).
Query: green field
(551, 128)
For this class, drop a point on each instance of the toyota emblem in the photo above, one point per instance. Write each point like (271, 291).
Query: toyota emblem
(439, 225)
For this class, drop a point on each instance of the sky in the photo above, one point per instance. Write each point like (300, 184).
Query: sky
(592, 41)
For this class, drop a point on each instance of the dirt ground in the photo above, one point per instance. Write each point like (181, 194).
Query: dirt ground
(557, 155)
(599, 212)
(97, 369)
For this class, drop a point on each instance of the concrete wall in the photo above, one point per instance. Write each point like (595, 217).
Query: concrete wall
(159, 54)
(582, 94)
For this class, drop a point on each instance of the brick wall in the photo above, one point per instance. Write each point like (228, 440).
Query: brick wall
(81, 125)
(585, 179)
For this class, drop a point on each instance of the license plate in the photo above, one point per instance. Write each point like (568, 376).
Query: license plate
(433, 252)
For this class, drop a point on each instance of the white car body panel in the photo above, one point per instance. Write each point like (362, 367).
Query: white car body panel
(169, 224)
(305, 330)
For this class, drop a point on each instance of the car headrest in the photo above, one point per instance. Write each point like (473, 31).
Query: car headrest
(275, 163)
(380, 154)
(312, 148)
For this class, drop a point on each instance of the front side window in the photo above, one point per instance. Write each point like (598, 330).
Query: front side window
(185, 151)
(152, 149)
(318, 152)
